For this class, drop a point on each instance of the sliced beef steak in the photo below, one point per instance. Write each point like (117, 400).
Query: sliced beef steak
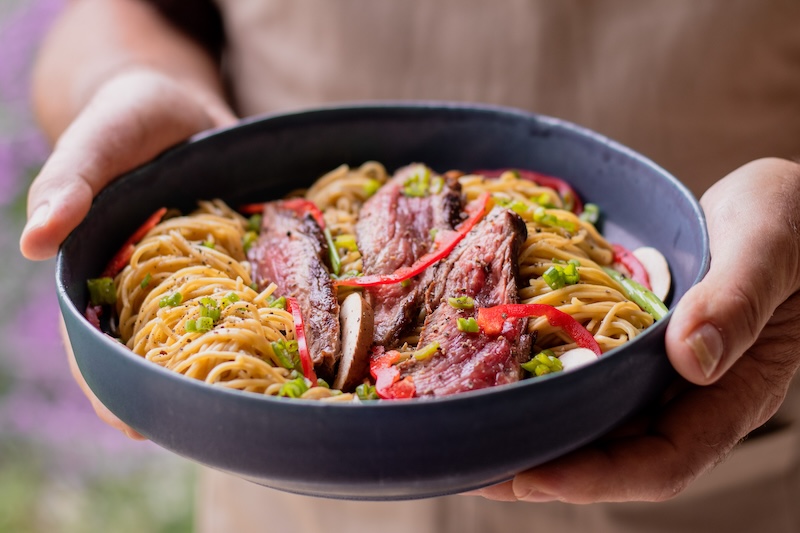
(290, 252)
(484, 267)
(394, 230)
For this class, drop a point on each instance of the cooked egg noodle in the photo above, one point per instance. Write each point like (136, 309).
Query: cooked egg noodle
(201, 258)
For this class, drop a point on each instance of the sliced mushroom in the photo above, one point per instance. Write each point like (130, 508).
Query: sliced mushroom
(657, 270)
(355, 317)
(576, 358)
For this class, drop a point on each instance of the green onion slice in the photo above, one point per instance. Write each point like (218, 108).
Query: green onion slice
(365, 391)
(591, 213)
(461, 302)
(333, 253)
(468, 325)
(426, 351)
(102, 291)
(640, 295)
(171, 300)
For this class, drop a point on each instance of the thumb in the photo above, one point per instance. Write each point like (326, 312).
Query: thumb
(130, 120)
(753, 215)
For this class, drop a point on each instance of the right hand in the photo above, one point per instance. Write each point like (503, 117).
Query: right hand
(132, 118)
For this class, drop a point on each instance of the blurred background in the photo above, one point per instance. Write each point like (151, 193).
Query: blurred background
(61, 469)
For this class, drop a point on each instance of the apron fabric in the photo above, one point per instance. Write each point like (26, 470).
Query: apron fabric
(699, 86)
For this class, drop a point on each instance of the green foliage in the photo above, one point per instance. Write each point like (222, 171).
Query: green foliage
(37, 496)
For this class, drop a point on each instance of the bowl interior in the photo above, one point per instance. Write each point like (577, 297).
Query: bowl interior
(374, 451)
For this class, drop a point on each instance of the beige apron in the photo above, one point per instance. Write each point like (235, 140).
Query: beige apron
(700, 86)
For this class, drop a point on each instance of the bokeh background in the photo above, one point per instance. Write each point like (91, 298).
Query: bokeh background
(61, 469)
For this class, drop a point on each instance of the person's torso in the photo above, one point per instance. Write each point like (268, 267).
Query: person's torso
(698, 86)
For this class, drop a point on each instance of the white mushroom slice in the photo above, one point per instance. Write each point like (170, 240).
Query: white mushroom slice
(355, 316)
(657, 270)
(576, 358)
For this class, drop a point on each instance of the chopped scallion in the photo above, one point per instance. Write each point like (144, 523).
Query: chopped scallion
(347, 242)
(333, 252)
(172, 300)
(371, 187)
(229, 299)
(543, 200)
(288, 355)
(426, 351)
(146, 281)
(254, 223)
(591, 213)
(437, 184)
(467, 325)
(461, 302)
(548, 219)
(418, 183)
(249, 240)
(554, 278)
(640, 295)
(543, 363)
(102, 291)
(204, 323)
(210, 312)
(561, 275)
(279, 303)
(294, 388)
(365, 391)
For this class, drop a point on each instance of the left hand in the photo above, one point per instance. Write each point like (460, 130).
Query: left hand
(734, 337)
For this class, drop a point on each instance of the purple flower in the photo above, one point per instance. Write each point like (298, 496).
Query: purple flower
(20, 35)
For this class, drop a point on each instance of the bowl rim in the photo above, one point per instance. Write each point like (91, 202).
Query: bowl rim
(393, 106)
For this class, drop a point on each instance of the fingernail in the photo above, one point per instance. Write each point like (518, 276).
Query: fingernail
(38, 218)
(534, 496)
(706, 343)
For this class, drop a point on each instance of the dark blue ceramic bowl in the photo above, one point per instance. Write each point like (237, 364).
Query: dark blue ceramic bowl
(382, 450)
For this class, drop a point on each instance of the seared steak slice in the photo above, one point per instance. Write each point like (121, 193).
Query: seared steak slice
(484, 267)
(394, 230)
(290, 252)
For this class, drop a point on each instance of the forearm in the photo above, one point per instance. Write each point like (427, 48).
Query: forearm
(95, 40)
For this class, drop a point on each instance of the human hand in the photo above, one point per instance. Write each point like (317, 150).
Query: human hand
(733, 336)
(132, 118)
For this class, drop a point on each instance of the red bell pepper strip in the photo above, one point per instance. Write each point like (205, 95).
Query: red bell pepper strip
(388, 385)
(445, 246)
(123, 256)
(492, 319)
(625, 258)
(251, 209)
(302, 345)
(301, 206)
(564, 189)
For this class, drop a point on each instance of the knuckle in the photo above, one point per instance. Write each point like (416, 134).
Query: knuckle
(751, 310)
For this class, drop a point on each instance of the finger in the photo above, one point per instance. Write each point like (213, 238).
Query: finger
(753, 216)
(129, 121)
(501, 492)
(101, 410)
(697, 430)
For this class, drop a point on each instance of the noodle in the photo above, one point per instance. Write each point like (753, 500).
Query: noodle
(201, 258)
(597, 301)
(197, 264)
